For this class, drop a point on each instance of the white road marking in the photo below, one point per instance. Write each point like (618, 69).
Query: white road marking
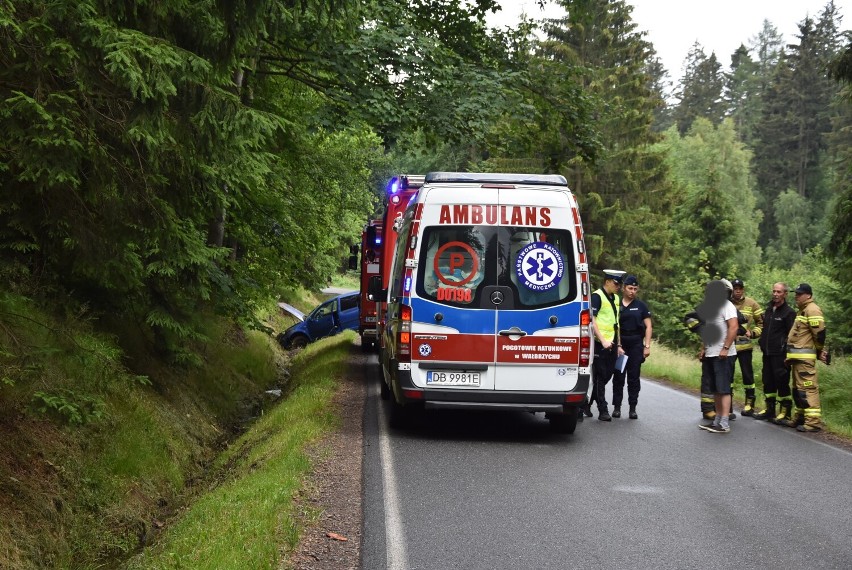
(397, 559)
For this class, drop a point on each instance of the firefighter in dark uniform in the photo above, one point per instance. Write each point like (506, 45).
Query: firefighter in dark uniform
(753, 313)
(605, 306)
(635, 330)
(806, 343)
(778, 319)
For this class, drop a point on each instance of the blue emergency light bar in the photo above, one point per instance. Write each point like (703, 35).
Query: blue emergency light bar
(403, 182)
(498, 178)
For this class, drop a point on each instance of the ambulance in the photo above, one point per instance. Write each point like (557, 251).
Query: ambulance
(487, 306)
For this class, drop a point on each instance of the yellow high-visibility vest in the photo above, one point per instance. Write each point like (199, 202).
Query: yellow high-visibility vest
(606, 317)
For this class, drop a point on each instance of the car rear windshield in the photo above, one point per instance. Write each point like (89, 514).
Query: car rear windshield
(458, 262)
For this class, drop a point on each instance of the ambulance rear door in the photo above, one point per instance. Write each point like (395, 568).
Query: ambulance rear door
(537, 295)
(453, 320)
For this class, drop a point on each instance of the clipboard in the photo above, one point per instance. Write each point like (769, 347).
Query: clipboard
(621, 363)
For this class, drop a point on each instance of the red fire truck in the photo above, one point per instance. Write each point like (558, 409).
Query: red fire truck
(377, 245)
(371, 251)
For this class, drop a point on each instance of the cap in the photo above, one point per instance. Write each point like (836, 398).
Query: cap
(614, 274)
(804, 288)
(631, 280)
(738, 283)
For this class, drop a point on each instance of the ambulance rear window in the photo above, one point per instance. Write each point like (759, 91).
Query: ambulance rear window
(540, 265)
(457, 262)
(454, 263)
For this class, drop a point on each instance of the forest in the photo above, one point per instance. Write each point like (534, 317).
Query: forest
(162, 160)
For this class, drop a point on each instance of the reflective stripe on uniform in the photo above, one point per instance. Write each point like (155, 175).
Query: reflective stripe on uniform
(801, 353)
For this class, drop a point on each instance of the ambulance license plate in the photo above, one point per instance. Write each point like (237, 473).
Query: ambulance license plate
(435, 378)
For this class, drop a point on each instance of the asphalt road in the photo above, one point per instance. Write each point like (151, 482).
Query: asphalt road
(498, 490)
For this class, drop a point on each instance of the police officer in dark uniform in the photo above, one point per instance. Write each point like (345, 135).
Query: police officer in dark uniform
(635, 327)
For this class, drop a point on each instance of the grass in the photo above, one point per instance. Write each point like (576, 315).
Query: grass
(91, 453)
(243, 522)
(835, 382)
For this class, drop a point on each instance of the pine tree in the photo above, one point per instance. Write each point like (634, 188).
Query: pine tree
(700, 90)
(791, 132)
(625, 193)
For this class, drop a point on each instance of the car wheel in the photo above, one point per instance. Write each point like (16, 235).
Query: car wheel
(298, 342)
(565, 422)
(282, 340)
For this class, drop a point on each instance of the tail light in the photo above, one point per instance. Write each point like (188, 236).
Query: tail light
(585, 338)
(404, 334)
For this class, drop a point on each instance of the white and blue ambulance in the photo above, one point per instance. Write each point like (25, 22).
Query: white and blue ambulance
(488, 300)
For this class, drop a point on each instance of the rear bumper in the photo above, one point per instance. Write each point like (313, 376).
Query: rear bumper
(462, 399)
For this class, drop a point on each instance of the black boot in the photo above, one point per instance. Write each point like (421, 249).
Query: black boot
(587, 410)
(769, 413)
(616, 412)
(748, 409)
(785, 412)
(633, 414)
(603, 415)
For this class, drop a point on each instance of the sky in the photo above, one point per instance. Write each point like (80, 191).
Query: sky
(720, 26)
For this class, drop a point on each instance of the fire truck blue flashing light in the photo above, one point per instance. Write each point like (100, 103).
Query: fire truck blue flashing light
(378, 241)
(393, 186)
(407, 284)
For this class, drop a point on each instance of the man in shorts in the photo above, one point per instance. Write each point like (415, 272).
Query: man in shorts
(718, 350)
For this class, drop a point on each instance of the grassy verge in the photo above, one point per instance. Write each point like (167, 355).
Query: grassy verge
(92, 456)
(246, 519)
(835, 382)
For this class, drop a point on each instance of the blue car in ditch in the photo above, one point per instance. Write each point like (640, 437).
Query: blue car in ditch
(330, 318)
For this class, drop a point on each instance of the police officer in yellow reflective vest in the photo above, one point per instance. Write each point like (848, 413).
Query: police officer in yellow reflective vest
(804, 344)
(753, 312)
(605, 307)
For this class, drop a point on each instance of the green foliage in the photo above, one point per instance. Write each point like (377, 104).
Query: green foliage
(716, 214)
(795, 119)
(700, 92)
(243, 520)
(75, 409)
(795, 230)
(592, 108)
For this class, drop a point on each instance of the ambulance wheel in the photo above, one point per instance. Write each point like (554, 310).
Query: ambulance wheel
(298, 342)
(565, 422)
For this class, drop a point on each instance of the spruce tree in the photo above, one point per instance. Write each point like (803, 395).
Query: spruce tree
(700, 90)
(625, 194)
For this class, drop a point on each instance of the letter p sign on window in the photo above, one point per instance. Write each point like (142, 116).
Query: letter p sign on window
(450, 261)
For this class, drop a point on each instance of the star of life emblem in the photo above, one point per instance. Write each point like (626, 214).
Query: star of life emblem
(425, 349)
(539, 266)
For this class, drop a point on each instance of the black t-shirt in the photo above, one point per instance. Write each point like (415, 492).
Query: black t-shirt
(632, 318)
